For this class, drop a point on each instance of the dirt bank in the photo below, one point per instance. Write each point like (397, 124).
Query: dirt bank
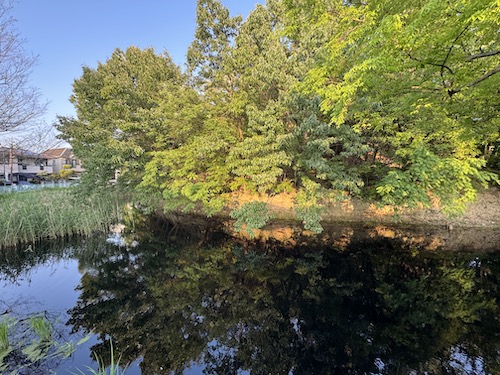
(353, 221)
(484, 213)
(477, 230)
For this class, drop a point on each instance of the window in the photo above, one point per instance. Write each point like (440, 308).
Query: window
(41, 167)
(25, 167)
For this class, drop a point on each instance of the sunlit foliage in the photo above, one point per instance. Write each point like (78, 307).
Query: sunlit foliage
(396, 101)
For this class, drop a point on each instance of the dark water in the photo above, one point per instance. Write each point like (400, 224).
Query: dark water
(199, 304)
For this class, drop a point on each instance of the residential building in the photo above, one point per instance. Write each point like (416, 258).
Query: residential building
(62, 158)
(22, 165)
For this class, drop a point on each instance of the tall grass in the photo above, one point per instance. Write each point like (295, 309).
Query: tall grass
(42, 328)
(113, 368)
(27, 217)
(5, 348)
(4, 337)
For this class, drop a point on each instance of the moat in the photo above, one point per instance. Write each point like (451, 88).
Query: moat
(205, 303)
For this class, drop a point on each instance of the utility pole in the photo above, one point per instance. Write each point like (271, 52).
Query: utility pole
(4, 170)
(11, 161)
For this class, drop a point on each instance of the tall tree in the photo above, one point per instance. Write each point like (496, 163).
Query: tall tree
(19, 101)
(425, 101)
(119, 114)
(214, 38)
(265, 76)
(331, 98)
(242, 70)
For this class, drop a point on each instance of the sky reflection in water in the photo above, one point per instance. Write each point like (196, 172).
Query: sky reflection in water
(232, 307)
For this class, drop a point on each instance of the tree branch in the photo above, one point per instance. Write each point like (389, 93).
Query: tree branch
(477, 81)
(485, 76)
(443, 65)
(483, 54)
(430, 63)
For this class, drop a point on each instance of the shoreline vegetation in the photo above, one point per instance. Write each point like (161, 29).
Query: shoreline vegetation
(31, 216)
(322, 104)
(303, 111)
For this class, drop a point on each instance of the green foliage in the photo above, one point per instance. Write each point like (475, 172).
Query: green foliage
(309, 207)
(311, 217)
(66, 172)
(426, 176)
(386, 73)
(260, 157)
(391, 99)
(63, 174)
(214, 36)
(5, 347)
(119, 111)
(325, 152)
(250, 216)
(193, 173)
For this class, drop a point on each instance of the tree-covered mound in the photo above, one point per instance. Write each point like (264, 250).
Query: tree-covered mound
(394, 101)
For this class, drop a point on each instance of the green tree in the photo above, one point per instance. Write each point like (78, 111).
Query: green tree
(214, 38)
(120, 107)
(261, 59)
(195, 173)
(409, 77)
(386, 99)
(242, 70)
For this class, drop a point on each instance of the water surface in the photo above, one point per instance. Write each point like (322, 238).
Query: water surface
(194, 304)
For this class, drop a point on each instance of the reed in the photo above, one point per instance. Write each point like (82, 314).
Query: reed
(4, 337)
(42, 327)
(27, 217)
(114, 367)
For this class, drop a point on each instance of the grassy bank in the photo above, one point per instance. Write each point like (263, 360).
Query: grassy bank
(27, 217)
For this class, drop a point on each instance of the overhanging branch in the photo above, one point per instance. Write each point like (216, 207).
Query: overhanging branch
(483, 54)
(477, 81)
(485, 76)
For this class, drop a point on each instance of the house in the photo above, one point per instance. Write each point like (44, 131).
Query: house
(63, 158)
(22, 165)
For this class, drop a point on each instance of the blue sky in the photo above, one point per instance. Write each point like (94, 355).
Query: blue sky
(68, 34)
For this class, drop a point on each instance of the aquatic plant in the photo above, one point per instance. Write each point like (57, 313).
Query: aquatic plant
(30, 216)
(114, 368)
(30, 342)
(41, 327)
(5, 347)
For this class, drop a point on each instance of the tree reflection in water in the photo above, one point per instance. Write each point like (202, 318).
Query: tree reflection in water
(372, 307)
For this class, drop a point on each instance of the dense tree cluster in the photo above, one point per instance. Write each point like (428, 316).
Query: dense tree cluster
(397, 101)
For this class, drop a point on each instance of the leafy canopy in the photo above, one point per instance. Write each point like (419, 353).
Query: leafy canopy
(396, 101)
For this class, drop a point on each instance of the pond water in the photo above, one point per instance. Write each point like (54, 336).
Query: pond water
(200, 303)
